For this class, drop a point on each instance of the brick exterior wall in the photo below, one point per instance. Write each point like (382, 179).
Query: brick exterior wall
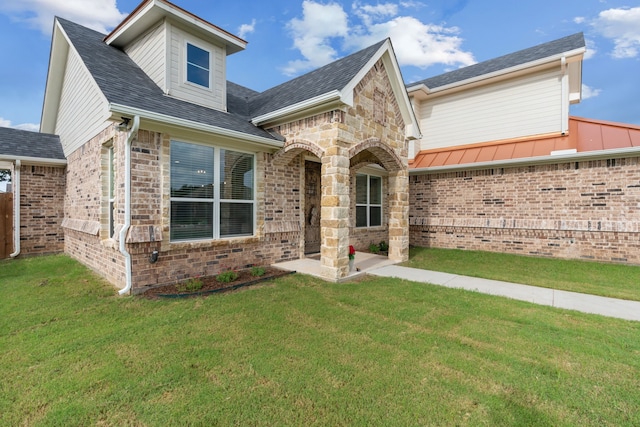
(87, 212)
(42, 191)
(581, 210)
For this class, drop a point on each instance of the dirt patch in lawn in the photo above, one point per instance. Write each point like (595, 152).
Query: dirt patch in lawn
(211, 285)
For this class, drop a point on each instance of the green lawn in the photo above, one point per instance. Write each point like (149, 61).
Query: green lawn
(299, 351)
(610, 280)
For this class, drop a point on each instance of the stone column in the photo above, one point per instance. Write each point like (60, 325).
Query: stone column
(334, 216)
(399, 215)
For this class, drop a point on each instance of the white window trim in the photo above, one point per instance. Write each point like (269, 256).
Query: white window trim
(368, 205)
(216, 201)
(186, 81)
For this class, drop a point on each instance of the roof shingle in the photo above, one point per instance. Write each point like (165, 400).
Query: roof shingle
(22, 143)
(545, 50)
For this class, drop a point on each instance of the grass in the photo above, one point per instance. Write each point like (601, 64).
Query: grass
(609, 280)
(378, 352)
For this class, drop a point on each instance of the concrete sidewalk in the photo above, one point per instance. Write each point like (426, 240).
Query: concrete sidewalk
(622, 309)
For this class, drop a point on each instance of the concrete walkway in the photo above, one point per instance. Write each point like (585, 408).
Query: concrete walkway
(622, 309)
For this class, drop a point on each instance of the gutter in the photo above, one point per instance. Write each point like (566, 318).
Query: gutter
(526, 161)
(192, 125)
(539, 62)
(35, 160)
(133, 133)
(16, 210)
(332, 96)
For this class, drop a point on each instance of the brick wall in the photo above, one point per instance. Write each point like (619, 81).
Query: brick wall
(583, 210)
(42, 191)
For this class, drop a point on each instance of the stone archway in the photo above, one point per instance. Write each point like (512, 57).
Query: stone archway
(374, 151)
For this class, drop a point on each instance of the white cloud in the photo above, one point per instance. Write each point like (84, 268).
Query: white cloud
(579, 19)
(415, 43)
(101, 15)
(246, 29)
(24, 126)
(312, 34)
(589, 92)
(623, 27)
(591, 49)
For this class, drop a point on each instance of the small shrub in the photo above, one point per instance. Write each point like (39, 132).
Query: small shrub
(383, 246)
(373, 248)
(191, 285)
(227, 276)
(257, 271)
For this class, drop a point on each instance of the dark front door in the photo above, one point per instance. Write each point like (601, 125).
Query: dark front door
(312, 206)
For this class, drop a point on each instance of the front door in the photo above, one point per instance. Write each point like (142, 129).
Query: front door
(312, 206)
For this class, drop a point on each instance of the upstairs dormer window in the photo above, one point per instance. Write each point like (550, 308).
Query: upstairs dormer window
(198, 66)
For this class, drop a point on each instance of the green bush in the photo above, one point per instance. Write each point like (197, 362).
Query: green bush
(257, 271)
(191, 285)
(227, 276)
(383, 246)
(373, 248)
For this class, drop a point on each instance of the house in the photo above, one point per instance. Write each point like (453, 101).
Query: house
(172, 171)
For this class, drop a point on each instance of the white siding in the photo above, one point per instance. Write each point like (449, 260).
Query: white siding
(215, 96)
(83, 110)
(524, 106)
(150, 53)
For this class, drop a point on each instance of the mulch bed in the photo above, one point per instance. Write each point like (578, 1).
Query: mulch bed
(210, 285)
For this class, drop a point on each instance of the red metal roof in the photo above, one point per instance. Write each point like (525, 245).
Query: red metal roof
(584, 135)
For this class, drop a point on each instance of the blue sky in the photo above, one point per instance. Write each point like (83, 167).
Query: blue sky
(289, 37)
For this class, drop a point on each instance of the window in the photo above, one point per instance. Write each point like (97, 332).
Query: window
(368, 201)
(197, 65)
(112, 193)
(212, 192)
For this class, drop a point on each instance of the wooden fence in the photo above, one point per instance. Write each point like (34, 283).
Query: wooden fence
(6, 224)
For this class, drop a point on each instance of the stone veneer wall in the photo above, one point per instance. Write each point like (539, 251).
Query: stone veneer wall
(583, 210)
(345, 139)
(41, 209)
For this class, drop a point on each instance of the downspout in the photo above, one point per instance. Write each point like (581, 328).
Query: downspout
(133, 133)
(16, 209)
(565, 95)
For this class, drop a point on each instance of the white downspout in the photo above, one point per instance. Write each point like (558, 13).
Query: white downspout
(16, 209)
(565, 95)
(133, 133)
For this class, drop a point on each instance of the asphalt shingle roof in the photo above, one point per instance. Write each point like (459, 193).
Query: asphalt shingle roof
(22, 143)
(333, 76)
(123, 82)
(565, 44)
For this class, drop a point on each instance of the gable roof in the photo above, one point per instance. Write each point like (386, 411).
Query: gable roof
(329, 78)
(25, 145)
(546, 50)
(123, 83)
(151, 11)
(586, 138)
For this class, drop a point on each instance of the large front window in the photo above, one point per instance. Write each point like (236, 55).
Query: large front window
(368, 200)
(212, 192)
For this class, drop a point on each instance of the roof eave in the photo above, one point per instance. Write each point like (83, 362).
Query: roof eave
(575, 54)
(292, 110)
(55, 74)
(530, 161)
(153, 10)
(119, 109)
(41, 161)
